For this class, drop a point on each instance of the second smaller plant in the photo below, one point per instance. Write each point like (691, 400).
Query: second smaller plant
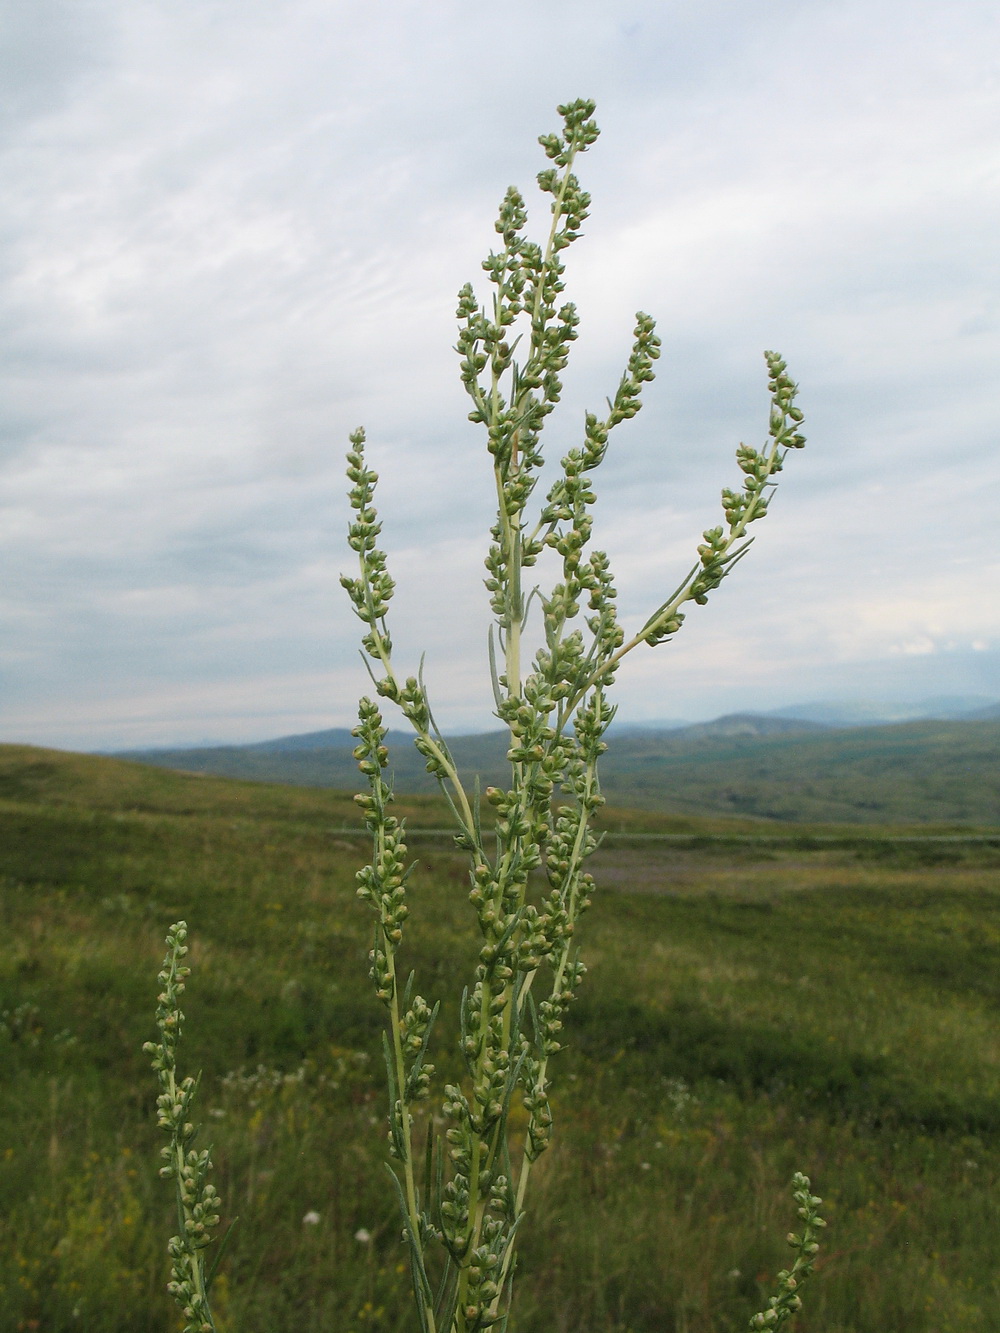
(788, 1302)
(197, 1201)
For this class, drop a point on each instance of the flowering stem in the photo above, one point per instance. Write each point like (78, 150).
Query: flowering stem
(553, 705)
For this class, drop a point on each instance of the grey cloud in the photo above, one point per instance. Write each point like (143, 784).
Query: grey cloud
(234, 232)
(50, 48)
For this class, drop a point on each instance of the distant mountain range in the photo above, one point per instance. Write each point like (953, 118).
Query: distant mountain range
(760, 764)
(859, 712)
(865, 712)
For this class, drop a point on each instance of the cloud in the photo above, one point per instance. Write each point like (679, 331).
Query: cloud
(232, 233)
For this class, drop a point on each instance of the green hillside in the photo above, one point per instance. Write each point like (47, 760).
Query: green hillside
(911, 772)
(914, 772)
(748, 1011)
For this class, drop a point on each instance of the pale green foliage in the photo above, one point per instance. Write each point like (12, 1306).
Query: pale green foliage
(197, 1201)
(469, 1199)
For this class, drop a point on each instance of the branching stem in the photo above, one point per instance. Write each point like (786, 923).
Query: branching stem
(529, 892)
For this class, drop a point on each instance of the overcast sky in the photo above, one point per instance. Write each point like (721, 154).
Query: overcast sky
(233, 230)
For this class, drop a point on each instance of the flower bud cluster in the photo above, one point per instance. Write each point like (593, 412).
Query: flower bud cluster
(571, 494)
(415, 1031)
(382, 884)
(484, 1039)
(169, 1017)
(528, 280)
(513, 825)
(484, 1273)
(785, 416)
(580, 131)
(371, 593)
(550, 1015)
(665, 628)
(608, 634)
(712, 554)
(750, 504)
(788, 1302)
(198, 1203)
(483, 1261)
(543, 930)
(539, 1108)
(489, 1091)
(539, 754)
(645, 350)
(498, 566)
(183, 1286)
(454, 1206)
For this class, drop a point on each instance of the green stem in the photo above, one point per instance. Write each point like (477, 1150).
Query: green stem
(407, 1125)
(194, 1254)
(440, 755)
(400, 1063)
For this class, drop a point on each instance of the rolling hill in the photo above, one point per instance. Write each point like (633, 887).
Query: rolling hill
(752, 765)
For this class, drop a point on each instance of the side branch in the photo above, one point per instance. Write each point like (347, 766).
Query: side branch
(370, 595)
(724, 547)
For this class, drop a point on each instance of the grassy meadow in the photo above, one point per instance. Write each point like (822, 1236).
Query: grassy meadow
(751, 1008)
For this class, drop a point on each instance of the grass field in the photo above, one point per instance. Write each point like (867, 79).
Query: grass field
(750, 1009)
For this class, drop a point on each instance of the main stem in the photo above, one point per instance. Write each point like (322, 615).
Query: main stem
(406, 1126)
